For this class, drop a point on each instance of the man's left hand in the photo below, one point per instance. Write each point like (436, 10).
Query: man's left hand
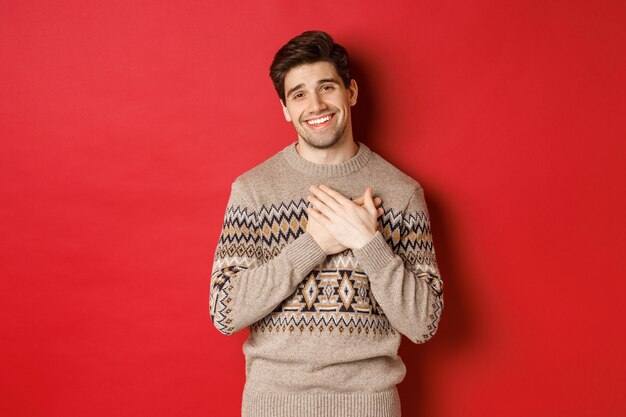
(350, 224)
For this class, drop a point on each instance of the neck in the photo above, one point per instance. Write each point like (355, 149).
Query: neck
(336, 154)
(347, 167)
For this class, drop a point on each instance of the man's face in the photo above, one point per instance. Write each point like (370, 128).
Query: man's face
(318, 104)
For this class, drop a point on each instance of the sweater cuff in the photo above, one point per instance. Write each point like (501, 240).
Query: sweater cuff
(375, 254)
(304, 253)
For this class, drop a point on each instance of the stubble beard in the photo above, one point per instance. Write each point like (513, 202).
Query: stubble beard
(323, 140)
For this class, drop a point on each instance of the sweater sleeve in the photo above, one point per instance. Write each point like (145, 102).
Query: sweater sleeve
(405, 280)
(244, 287)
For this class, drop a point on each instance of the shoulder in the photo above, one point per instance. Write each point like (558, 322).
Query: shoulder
(260, 177)
(397, 189)
(406, 192)
(392, 176)
(263, 172)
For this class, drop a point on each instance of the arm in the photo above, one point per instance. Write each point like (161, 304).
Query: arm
(244, 287)
(405, 280)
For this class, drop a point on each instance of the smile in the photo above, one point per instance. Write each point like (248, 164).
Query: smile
(319, 121)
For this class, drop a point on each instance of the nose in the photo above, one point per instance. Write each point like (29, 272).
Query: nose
(316, 103)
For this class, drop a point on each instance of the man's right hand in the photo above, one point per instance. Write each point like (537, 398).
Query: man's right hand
(323, 238)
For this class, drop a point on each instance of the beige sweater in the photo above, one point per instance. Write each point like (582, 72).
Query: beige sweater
(324, 330)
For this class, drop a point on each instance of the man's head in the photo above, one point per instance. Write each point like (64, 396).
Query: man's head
(311, 75)
(307, 48)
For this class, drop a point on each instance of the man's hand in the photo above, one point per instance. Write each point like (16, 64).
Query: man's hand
(329, 244)
(337, 223)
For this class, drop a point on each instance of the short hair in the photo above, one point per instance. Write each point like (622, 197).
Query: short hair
(307, 48)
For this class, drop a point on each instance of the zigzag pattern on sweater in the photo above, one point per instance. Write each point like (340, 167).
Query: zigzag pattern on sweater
(312, 322)
(408, 234)
(237, 250)
(335, 294)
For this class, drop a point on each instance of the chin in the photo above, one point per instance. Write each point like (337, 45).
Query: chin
(324, 144)
(322, 141)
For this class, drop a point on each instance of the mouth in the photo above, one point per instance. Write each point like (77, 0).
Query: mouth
(319, 122)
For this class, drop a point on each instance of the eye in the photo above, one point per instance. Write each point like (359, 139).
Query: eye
(328, 87)
(297, 96)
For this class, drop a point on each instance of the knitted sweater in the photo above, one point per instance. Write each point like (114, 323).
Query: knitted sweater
(324, 331)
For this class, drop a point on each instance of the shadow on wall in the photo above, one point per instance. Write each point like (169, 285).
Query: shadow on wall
(363, 124)
(459, 326)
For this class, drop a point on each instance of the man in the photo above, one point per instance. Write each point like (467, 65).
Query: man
(325, 276)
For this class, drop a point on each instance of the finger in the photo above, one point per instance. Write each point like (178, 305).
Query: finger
(327, 198)
(321, 219)
(340, 198)
(321, 206)
(359, 201)
(369, 202)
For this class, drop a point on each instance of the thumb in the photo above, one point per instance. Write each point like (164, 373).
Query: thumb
(369, 201)
(358, 201)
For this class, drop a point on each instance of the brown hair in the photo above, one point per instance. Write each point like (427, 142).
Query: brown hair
(307, 48)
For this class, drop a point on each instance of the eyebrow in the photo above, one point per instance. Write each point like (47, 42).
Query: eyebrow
(322, 81)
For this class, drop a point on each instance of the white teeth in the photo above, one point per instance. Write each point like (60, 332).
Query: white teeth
(318, 121)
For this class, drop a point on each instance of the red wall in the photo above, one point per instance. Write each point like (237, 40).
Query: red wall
(124, 123)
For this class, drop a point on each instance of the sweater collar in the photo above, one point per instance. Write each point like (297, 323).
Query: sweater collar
(358, 161)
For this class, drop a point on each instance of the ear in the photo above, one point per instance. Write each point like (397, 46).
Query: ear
(285, 111)
(353, 90)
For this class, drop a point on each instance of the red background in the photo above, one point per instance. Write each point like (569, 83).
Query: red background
(123, 125)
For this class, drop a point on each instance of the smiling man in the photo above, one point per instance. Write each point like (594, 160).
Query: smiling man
(318, 104)
(325, 275)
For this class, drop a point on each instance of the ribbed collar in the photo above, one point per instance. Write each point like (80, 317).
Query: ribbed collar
(353, 164)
